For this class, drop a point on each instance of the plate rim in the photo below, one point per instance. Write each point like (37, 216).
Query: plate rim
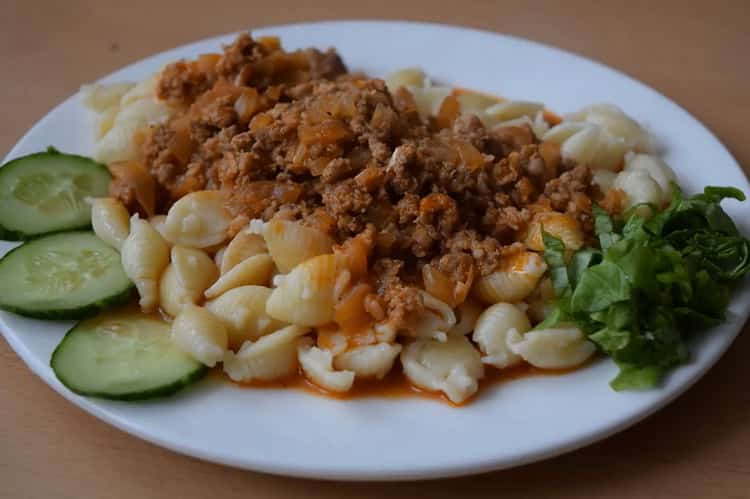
(419, 472)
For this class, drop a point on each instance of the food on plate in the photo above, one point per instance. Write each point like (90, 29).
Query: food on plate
(491, 333)
(317, 364)
(46, 192)
(650, 283)
(551, 348)
(452, 366)
(123, 110)
(69, 275)
(368, 360)
(243, 311)
(270, 357)
(289, 218)
(185, 279)
(125, 355)
(244, 245)
(254, 270)
(110, 221)
(200, 334)
(145, 256)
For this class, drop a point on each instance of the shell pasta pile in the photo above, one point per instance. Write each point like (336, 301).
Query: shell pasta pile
(279, 216)
(254, 302)
(280, 296)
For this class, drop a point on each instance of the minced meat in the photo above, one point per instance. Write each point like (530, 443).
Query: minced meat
(292, 134)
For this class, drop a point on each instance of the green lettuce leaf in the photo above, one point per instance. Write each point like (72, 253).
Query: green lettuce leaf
(652, 282)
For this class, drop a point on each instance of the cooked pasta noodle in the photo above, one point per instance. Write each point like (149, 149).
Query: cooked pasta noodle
(200, 334)
(328, 225)
(198, 220)
(144, 256)
(243, 312)
(317, 364)
(553, 348)
(453, 367)
(269, 358)
(110, 221)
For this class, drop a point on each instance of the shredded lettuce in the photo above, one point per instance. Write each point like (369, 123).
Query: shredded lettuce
(651, 283)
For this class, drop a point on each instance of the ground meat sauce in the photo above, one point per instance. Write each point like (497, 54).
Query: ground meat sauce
(293, 135)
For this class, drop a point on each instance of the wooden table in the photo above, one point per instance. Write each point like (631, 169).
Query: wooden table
(694, 52)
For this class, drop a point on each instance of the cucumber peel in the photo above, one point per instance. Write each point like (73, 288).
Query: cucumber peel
(68, 275)
(45, 192)
(123, 355)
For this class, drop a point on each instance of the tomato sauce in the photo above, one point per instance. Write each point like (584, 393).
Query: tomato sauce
(396, 385)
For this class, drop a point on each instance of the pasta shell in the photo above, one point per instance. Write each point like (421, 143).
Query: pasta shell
(195, 270)
(369, 361)
(475, 102)
(512, 109)
(618, 124)
(104, 121)
(200, 334)
(271, 357)
(558, 134)
(407, 77)
(436, 320)
(117, 144)
(244, 245)
(554, 348)
(453, 367)
(466, 315)
(144, 256)
(243, 312)
(123, 110)
(219, 256)
(588, 143)
(429, 99)
(537, 125)
(656, 168)
(185, 279)
(199, 220)
(492, 330)
(98, 97)
(604, 179)
(560, 225)
(582, 146)
(110, 221)
(305, 295)
(317, 365)
(610, 154)
(291, 243)
(639, 187)
(143, 89)
(256, 270)
(516, 278)
(172, 295)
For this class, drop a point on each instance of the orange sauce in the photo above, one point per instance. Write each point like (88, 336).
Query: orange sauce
(395, 384)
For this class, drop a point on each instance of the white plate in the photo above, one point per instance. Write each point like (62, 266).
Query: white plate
(293, 433)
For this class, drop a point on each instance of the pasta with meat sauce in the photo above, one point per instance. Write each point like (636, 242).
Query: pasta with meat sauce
(349, 220)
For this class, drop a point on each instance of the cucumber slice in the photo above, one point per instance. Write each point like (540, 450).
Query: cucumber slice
(45, 192)
(123, 355)
(69, 275)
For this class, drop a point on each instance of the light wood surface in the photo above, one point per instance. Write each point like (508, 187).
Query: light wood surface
(694, 52)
